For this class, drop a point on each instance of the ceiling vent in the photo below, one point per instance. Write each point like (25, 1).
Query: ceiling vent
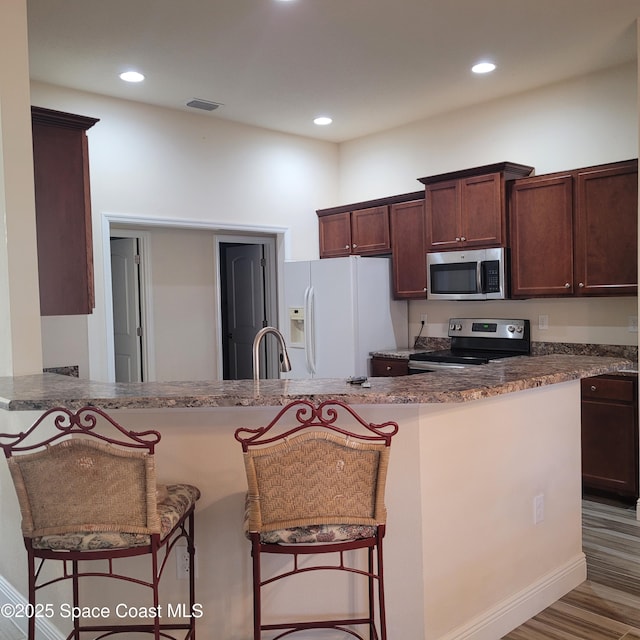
(205, 105)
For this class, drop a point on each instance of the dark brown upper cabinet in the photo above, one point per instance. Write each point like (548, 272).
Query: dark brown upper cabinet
(574, 233)
(467, 209)
(63, 212)
(362, 232)
(408, 249)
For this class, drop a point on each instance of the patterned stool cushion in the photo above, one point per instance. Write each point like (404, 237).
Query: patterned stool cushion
(174, 501)
(323, 533)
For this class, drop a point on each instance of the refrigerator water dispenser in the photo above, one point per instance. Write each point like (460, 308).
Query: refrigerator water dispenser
(296, 326)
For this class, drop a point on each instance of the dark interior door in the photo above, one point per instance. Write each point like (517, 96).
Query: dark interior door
(244, 313)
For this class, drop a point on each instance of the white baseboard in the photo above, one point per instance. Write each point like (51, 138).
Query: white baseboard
(514, 611)
(10, 596)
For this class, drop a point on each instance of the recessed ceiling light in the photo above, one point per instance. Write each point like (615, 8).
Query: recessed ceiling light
(483, 67)
(131, 76)
(322, 120)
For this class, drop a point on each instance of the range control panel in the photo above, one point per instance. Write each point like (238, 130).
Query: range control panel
(488, 328)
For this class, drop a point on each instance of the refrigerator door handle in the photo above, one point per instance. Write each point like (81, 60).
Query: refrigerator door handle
(310, 332)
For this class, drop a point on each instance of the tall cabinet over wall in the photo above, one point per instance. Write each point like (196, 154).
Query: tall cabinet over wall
(63, 211)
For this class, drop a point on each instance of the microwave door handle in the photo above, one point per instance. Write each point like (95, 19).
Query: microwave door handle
(479, 278)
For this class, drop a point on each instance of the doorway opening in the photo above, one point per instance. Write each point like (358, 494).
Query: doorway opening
(272, 241)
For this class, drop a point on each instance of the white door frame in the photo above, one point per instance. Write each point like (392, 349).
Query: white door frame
(147, 355)
(282, 248)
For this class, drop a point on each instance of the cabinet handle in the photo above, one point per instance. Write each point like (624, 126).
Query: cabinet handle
(457, 239)
(347, 247)
(463, 239)
(581, 284)
(355, 246)
(593, 387)
(567, 285)
(388, 368)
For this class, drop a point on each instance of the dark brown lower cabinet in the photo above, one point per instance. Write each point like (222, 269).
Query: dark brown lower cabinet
(609, 409)
(387, 367)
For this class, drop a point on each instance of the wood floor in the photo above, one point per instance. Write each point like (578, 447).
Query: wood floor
(607, 605)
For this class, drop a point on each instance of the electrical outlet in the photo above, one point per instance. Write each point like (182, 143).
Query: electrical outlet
(538, 509)
(423, 318)
(633, 324)
(543, 323)
(182, 562)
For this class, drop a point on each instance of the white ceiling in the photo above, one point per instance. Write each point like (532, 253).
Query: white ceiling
(369, 64)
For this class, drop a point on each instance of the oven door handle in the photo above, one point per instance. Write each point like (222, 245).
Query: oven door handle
(425, 365)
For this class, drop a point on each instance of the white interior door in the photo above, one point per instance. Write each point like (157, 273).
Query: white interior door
(125, 286)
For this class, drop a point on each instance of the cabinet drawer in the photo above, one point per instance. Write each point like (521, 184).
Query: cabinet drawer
(386, 367)
(616, 388)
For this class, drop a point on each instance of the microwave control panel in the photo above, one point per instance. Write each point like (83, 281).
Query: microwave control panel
(491, 276)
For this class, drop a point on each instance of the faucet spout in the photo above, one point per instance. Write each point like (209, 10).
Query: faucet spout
(285, 363)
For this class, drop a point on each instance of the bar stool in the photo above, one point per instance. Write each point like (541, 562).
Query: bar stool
(88, 496)
(318, 488)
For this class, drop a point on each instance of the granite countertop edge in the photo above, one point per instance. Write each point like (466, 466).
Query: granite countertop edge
(40, 392)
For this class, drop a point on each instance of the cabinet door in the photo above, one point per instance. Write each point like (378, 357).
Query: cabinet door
(606, 230)
(608, 447)
(335, 235)
(483, 217)
(610, 434)
(541, 218)
(408, 250)
(442, 204)
(370, 231)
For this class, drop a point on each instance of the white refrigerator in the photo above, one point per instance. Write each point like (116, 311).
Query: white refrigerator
(338, 310)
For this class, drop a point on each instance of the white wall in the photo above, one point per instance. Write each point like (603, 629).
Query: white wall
(183, 277)
(588, 120)
(20, 346)
(158, 163)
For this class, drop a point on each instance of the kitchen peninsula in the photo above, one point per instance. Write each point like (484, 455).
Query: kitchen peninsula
(464, 557)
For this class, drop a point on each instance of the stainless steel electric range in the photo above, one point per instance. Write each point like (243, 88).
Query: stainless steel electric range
(476, 341)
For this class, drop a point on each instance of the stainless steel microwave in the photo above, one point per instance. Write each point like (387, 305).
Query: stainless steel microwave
(477, 274)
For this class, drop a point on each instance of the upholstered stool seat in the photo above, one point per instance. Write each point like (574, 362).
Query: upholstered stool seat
(318, 534)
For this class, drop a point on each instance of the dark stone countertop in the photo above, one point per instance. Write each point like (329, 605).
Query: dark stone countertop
(43, 391)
